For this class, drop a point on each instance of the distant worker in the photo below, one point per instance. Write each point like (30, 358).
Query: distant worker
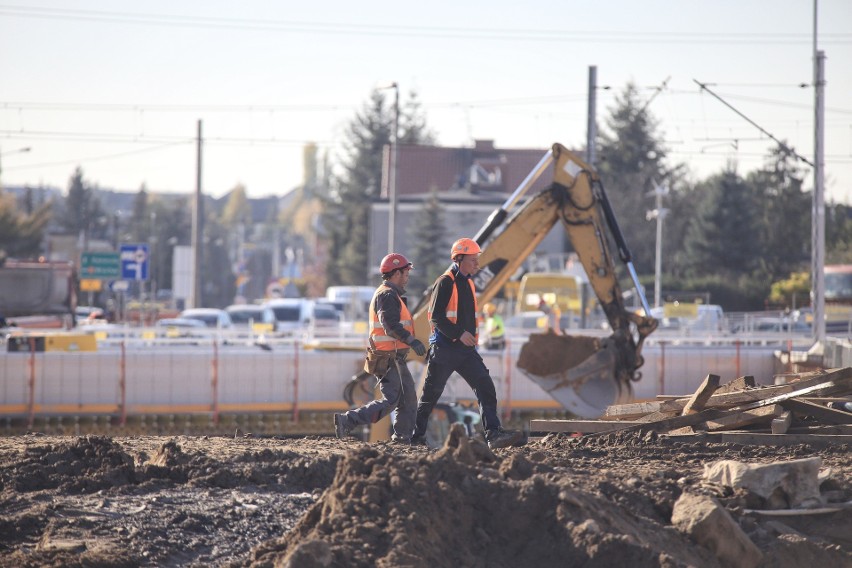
(494, 334)
(391, 335)
(553, 314)
(452, 348)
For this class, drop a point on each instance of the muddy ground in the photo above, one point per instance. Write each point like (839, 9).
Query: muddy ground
(560, 501)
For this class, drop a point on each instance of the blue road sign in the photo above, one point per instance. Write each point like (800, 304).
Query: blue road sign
(134, 261)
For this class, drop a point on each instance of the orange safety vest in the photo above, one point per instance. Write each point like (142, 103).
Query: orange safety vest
(453, 304)
(380, 340)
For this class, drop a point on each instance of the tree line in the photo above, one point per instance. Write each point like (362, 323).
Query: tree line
(731, 235)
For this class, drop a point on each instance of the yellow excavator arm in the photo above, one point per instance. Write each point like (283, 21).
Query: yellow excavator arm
(585, 374)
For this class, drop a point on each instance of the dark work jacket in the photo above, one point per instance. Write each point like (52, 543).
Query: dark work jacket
(388, 309)
(447, 332)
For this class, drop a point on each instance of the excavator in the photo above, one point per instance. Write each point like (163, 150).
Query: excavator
(585, 374)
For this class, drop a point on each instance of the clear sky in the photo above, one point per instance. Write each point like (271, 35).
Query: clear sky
(117, 87)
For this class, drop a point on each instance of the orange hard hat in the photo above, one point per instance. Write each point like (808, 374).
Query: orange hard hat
(394, 261)
(464, 246)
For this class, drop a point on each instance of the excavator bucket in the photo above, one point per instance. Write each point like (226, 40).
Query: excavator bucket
(580, 372)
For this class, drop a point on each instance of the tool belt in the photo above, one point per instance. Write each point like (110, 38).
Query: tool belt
(378, 362)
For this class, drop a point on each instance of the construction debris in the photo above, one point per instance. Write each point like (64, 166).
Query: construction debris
(796, 411)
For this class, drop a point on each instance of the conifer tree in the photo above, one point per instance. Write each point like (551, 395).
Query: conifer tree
(429, 252)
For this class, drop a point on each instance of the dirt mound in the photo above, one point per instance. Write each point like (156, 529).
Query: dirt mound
(221, 501)
(386, 510)
(83, 465)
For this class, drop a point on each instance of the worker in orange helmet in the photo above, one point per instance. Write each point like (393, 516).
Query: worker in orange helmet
(452, 347)
(391, 335)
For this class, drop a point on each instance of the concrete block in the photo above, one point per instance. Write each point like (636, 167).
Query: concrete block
(704, 520)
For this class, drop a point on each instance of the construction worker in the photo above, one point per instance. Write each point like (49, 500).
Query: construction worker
(452, 347)
(495, 331)
(391, 336)
(553, 313)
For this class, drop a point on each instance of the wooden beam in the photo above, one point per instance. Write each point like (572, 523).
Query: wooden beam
(736, 421)
(630, 411)
(750, 438)
(580, 426)
(831, 430)
(818, 411)
(738, 384)
(781, 424)
(702, 394)
(831, 383)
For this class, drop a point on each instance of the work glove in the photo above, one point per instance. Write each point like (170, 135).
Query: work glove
(418, 347)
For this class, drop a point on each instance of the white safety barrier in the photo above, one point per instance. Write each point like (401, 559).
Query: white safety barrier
(137, 378)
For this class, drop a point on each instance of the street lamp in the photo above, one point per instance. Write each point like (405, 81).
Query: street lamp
(659, 214)
(18, 151)
(392, 175)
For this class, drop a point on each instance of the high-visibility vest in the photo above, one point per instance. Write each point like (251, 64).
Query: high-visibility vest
(380, 340)
(495, 327)
(453, 304)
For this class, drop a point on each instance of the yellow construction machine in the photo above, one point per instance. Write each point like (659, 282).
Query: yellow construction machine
(585, 374)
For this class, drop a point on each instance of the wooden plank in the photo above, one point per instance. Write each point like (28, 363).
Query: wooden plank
(659, 415)
(818, 411)
(744, 397)
(831, 383)
(750, 438)
(580, 426)
(781, 424)
(738, 384)
(830, 430)
(746, 418)
(631, 410)
(702, 394)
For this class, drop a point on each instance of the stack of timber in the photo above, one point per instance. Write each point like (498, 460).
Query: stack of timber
(807, 408)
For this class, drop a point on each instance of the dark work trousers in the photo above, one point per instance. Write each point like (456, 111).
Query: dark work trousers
(398, 392)
(440, 364)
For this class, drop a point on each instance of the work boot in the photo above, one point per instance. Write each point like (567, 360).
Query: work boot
(499, 438)
(341, 426)
(400, 440)
(419, 441)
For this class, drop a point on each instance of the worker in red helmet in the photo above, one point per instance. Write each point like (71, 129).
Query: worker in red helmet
(452, 347)
(391, 336)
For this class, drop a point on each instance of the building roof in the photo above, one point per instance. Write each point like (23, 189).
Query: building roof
(482, 169)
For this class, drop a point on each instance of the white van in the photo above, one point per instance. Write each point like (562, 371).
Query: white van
(296, 314)
(687, 317)
(354, 299)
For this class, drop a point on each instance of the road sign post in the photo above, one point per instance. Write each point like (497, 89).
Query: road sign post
(100, 265)
(134, 262)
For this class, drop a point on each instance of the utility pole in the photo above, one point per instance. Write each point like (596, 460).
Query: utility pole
(659, 213)
(393, 167)
(197, 229)
(591, 124)
(818, 214)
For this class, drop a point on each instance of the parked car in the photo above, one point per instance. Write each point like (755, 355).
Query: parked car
(261, 318)
(325, 314)
(212, 317)
(295, 314)
(89, 313)
(709, 318)
(181, 327)
(292, 314)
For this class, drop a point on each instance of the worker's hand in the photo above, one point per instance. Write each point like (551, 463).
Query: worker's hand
(418, 347)
(468, 339)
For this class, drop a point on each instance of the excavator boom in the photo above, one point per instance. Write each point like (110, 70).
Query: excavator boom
(585, 374)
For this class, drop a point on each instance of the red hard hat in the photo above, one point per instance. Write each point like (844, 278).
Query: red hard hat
(393, 261)
(464, 246)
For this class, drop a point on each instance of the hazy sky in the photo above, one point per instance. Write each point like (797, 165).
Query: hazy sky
(117, 87)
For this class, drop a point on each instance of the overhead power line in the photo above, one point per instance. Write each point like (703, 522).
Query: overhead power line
(467, 33)
(756, 125)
